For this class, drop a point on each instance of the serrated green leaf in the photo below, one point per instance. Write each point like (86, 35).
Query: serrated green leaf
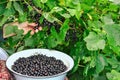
(114, 75)
(107, 19)
(94, 42)
(18, 7)
(113, 34)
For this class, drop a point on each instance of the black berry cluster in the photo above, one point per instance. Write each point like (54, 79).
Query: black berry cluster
(31, 3)
(39, 65)
(48, 24)
(71, 35)
(36, 18)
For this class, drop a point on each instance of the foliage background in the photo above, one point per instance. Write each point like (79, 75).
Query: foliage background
(89, 32)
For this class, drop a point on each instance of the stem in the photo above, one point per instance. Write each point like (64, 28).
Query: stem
(81, 65)
(39, 11)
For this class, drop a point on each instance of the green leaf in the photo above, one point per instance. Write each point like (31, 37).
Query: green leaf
(9, 31)
(52, 40)
(4, 19)
(37, 3)
(22, 17)
(69, 3)
(94, 42)
(50, 17)
(44, 1)
(18, 7)
(9, 4)
(20, 48)
(94, 24)
(65, 15)
(9, 11)
(100, 63)
(62, 2)
(113, 7)
(29, 42)
(71, 11)
(116, 49)
(107, 19)
(63, 30)
(93, 62)
(76, 65)
(86, 70)
(56, 9)
(114, 75)
(52, 3)
(53, 32)
(113, 62)
(85, 7)
(115, 1)
(113, 34)
(78, 11)
(2, 9)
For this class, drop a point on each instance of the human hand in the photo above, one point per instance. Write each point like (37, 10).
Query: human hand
(25, 26)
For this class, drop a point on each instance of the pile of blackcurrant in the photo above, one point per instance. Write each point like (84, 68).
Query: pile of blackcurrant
(39, 65)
